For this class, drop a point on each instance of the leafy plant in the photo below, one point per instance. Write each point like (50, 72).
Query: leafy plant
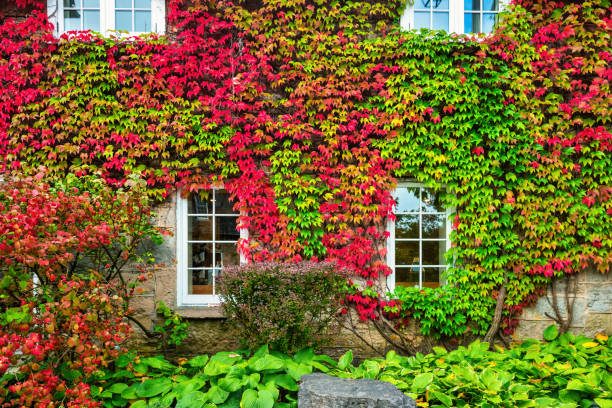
(289, 306)
(63, 298)
(174, 329)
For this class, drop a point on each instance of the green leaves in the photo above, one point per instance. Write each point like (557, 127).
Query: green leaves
(550, 333)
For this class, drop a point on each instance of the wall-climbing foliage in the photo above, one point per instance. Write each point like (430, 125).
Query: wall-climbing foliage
(310, 111)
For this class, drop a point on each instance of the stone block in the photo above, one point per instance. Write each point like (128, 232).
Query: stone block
(599, 298)
(166, 213)
(538, 312)
(324, 391)
(598, 323)
(594, 276)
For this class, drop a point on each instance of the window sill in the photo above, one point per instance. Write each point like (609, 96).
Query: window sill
(201, 312)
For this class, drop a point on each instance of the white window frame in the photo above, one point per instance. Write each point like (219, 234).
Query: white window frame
(391, 239)
(55, 13)
(455, 18)
(182, 271)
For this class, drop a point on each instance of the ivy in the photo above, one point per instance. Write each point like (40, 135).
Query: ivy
(310, 111)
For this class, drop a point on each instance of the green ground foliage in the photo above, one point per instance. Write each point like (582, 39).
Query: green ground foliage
(567, 371)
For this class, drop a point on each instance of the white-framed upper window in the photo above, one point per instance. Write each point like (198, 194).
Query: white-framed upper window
(207, 235)
(419, 238)
(106, 16)
(453, 16)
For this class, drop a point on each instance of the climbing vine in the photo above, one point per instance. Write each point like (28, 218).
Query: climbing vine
(310, 111)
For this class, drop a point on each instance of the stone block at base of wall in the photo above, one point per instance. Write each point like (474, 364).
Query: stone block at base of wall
(592, 311)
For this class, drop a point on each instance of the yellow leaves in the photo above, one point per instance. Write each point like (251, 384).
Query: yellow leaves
(589, 344)
(601, 338)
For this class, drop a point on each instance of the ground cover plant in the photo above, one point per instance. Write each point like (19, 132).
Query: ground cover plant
(568, 371)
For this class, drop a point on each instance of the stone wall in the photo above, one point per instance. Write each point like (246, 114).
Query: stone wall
(592, 297)
(210, 332)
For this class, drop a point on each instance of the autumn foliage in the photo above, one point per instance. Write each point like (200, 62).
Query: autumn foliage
(309, 112)
(64, 293)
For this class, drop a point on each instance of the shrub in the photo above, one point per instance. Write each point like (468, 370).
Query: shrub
(289, 306)
(63, 297)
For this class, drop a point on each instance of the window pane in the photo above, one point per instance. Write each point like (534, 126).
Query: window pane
(488, 21)
(431, 201)
(123, 20)
(201, 282)
(198, 205)
(421, 19)
(200, 228)
(440, 21)
(422, 4)
(471, 5)
(407, 200)
(123, 3)
(407, 276)
(226, 255)
(225, 228)
(434, 226)
(91, 20)
(490, 5)
(142, 21)
(91, 4)
(471, 23)
(142, 4)
(431, 277)
(433, 252)
(72, 3)
(222, 202)
(440, 4)
(406, 252)
(199, 255)
(72, 20)
(407, 226)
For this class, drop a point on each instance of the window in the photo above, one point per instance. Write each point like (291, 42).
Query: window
(133, 16)
(419, 238)
(457, 16)
(206, 237)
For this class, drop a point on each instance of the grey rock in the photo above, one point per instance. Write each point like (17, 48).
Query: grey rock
(324, 391)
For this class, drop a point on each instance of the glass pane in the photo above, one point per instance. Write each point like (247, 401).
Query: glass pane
(434, 226)
(199, 255)
(142, 4)
(488, 21)
(142, 21)
(407, 226)
(123, 3)
(422, 4)
(440, 4)
(225, 228)
(91, 4)
(421, 19)
(407, 200)
(433, 252)
(471, 23)
(72, 20)
(406, 252)
(123, 20)
(201, 282)
(431, 201)
(490, 5)
(72, 3)
(432, 277)
(200, 228)
(198, 205)
(471, 5)
(226, 255)
(222, 202)
(91, 20)
(407, 276)
(440, 21)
